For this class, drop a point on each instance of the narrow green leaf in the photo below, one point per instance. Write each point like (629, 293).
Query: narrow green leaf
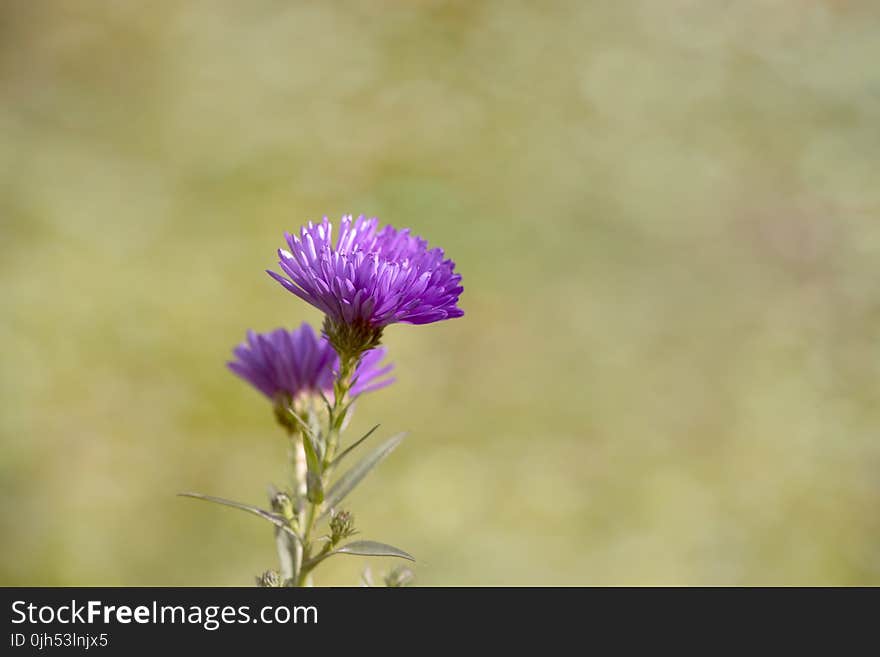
(299, 420)
(373, 549)
(311, 440)
(351, 447)
(326, 401)
(313, 463)
(314, 487)
(274, 518)
(358, 471)
(314, 422)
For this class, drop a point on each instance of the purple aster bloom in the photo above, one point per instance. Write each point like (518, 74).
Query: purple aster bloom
(369, 278)
(285, 363)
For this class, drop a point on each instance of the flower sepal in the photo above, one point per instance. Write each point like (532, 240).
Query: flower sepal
(351, 340)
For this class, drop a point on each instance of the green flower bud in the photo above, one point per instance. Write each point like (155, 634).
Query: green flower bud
(269, 579)
(400, 576)
(341, 526)
(281, 503)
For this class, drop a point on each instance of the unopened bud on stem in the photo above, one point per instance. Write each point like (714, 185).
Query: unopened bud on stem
(269, 579)
(341, 526)
(281, 503)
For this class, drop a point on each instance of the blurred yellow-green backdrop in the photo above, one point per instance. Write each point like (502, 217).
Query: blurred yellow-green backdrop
(667, 216)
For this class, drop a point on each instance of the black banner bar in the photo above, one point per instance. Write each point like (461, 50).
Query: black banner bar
(125, 620)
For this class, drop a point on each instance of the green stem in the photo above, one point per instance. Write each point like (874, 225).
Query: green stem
(303, 574)
(341, 387)
(299, 479)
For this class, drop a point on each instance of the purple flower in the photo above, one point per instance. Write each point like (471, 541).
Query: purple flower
(295, 363)
(369, 278)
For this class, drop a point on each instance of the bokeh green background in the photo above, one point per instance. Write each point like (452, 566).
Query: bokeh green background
(667, 216)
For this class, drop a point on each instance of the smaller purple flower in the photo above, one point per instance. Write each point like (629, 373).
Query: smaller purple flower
(295, 363)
